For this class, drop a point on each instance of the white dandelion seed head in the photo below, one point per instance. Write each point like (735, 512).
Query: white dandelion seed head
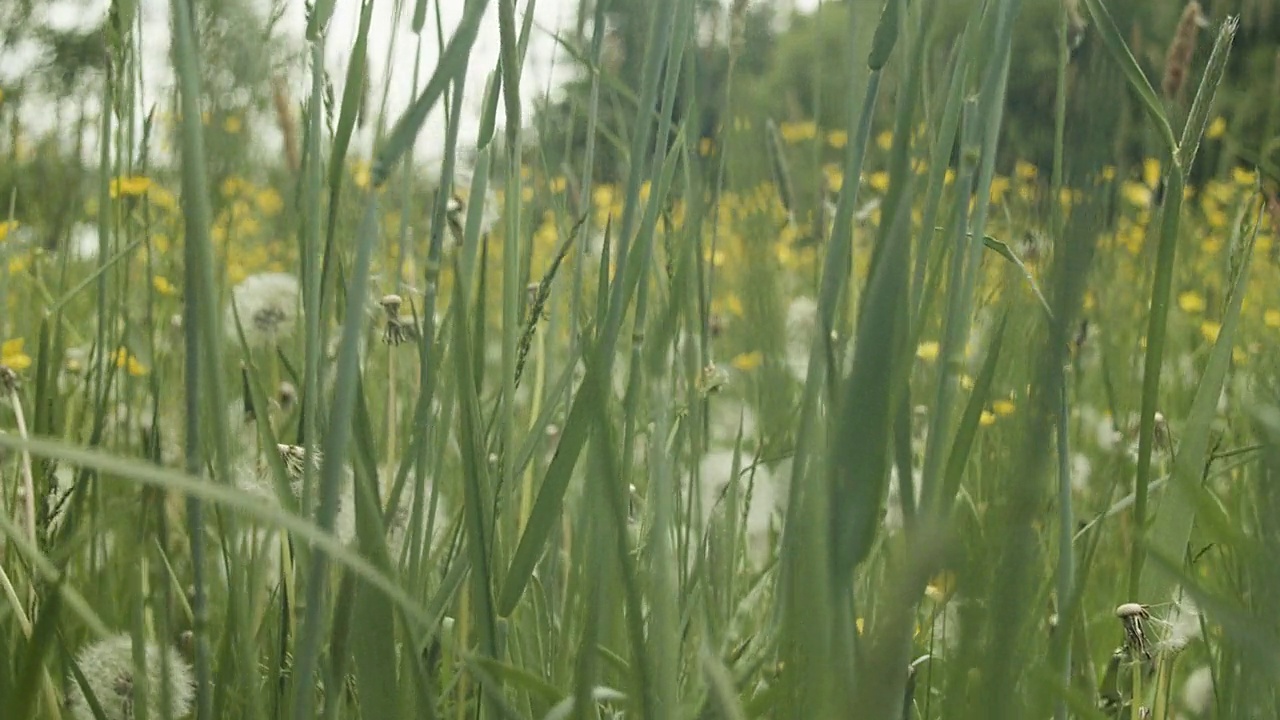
(1197, 690)
(802, 318)
(1183, 622)
(108, 668)
(1081, 472)
(268, 308)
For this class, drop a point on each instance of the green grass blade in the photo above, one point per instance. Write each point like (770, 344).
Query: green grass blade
(453, 62)
(1171, 529)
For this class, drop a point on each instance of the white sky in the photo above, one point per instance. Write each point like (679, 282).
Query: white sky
(544, 65)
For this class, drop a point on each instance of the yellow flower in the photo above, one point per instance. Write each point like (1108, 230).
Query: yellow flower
(835, 178)
(928, 351)
(269, 202)
(879, 181)
(1191, 302)
(162, 198)
(7, 227)
(11, 354)
(129, 186)
(1271, 318)
(746, 362)
(362, 175)
(794, 132)
(558, 184)
(1137, 194)
(966, 382)
(705, 146)
(948, 177)
(885, 140)
(1003, 408)
(602, 196)
(1209, 329)
(1243, 177)
(1025, 170)
(1151, 172)
(126, 360)
(987, 419)
(1108, 172)
(232, 124)
(163, 286)
(837, 139)
(999, 186)
(1217, 128)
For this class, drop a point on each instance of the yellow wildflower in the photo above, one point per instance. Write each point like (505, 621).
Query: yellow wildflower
(1217, 128)
(879, 181)
(269, 202)
(987, 418)
(1209, 329)
(362, 175)
(835, 178)
(232, 124)
(705, 146)
(12, 355)
(163, 286)
(1025, 170)
(837, 139)
(6, 227)
(1137, 194)
(1243, 177)
(127, 361)
(1151, 172)
(558, 184)
(1271, 318)
(1191, 302)
(885, 140)
(129, 186)
(999, 187)
(928, 351)
(746, 362)
(794, 132)
(1108, 172)
(1003, 408)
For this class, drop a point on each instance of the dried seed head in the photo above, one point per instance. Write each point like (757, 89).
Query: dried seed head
(8, 379)
(1129, 610)
(286, 395)
(391, 303)
(399, 329)
(285, 120)
(1177, 63)
(1132, 616)
(295, 457)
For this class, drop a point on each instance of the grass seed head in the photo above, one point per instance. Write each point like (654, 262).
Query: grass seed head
(1177, 63)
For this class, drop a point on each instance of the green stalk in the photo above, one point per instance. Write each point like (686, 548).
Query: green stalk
(202, 330)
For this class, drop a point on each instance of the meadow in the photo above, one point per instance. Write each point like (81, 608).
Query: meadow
(627, 417)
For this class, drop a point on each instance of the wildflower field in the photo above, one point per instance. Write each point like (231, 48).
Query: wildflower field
(641, 398)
